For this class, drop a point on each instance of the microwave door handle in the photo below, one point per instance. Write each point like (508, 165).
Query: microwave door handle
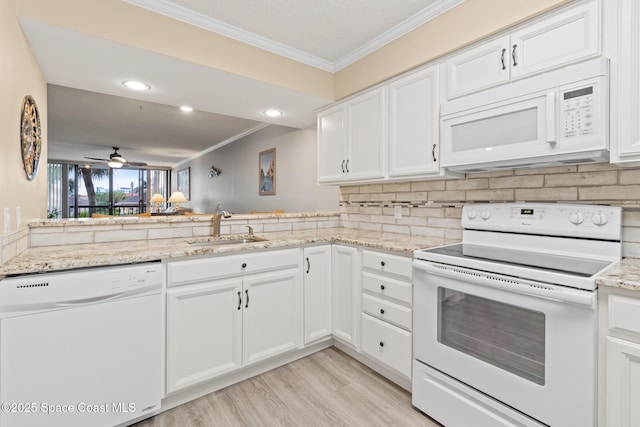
(551, 118)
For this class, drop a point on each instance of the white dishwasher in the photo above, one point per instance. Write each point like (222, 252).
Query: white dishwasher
(82, 347)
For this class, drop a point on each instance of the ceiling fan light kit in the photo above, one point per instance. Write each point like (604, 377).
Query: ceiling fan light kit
(116, 161)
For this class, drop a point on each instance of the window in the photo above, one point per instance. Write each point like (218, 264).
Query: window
(76, 191)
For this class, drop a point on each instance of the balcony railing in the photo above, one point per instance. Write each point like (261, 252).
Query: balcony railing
(85, 211)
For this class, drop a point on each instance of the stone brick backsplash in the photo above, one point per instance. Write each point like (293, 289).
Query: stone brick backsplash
(434, 208)
(63, 232)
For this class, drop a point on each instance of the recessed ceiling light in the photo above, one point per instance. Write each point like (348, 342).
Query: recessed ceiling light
(132, 84)
(186, 108)
(272, 113)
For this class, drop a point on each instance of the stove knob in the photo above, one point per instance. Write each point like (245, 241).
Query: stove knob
(471, 214)
(599, 219)
(576, 218)
(485, 215)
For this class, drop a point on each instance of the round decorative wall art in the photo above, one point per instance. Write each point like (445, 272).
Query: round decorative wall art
(30, 136)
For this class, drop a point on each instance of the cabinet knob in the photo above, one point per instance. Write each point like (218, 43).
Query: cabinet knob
(382, 287)
(382, 311)
(381, 263)
(381, 343)
(244, 265)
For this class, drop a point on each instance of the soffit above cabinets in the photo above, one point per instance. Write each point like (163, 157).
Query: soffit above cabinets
(328, 35)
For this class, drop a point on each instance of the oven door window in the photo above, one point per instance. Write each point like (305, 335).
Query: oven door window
(509, 337)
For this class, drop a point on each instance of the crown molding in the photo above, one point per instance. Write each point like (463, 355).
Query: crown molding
(409, 24)
(171, 10)
(221, 144)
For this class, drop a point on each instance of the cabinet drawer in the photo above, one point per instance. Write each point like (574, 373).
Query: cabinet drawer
(192, 271)
(387, 343)
(387, 311)
(386, 263)
(624, 313)
(385, 286)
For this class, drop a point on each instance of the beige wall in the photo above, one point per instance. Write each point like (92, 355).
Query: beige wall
(465, 24)
(19, 76)
(123, 23)
(131, 25)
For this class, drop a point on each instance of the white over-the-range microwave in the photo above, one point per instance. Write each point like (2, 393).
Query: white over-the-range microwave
(557, 118)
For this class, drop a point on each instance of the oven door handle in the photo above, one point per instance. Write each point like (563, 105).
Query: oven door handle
(521, 286)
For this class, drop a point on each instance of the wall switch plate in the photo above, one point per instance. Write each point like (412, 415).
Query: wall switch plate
(18, 217)
(397, 212)
(7, 220)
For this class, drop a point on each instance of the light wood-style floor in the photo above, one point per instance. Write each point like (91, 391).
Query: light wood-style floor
(328, 388)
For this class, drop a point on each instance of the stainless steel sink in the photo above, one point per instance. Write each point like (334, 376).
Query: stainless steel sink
(233, 241)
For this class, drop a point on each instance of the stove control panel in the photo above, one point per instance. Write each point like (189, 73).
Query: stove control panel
(554, 219)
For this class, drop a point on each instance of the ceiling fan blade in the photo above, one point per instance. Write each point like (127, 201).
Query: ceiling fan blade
(135, 164)
(95, 158)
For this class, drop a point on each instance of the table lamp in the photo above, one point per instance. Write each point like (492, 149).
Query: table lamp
(177, 197)
(157, 199)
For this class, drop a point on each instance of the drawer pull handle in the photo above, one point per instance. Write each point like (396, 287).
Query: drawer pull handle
(247, 293)
(382, 287)
(381, 343)
(244, 265)
(382, 311)
(381, 263)
(308, 265)
(239, 300)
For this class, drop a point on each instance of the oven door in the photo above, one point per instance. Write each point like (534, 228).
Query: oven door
(529, 345)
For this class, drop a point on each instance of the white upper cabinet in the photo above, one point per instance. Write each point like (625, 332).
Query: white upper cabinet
(367, 136)
(621, 41)
(479, 68)
(352, 139)
(564, 37)
(413, 124)
(332, 144)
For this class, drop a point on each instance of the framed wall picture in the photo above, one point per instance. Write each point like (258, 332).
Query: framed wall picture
(267, 172)
(183, 182)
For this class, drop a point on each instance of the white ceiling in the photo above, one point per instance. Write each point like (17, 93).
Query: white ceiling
(90, 111)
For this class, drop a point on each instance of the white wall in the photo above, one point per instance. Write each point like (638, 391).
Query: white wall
(237, 186)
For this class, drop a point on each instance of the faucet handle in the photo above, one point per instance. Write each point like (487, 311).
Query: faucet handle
(250, 230)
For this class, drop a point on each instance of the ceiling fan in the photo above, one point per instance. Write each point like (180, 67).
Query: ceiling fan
(116, 161)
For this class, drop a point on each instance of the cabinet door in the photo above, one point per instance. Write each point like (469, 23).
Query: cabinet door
(622, 39)
(367, 141)
(345, 294)
(623, 383)
(561, 39)
(204, 332)
(272, 315)
(481, 67)
(317, 293)
(331, 145)
(413, 124)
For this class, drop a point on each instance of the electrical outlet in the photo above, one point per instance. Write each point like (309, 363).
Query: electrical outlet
(397, 212)
(18, 217)
(7, 220)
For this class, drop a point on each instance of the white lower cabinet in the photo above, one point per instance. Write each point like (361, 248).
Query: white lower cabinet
(619, 358)
(316, 275)
(204, 332)
(225, 313)
(387, 310)
(345, 294)
(215, 326)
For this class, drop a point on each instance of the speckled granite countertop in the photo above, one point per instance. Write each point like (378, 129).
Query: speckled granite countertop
(625, 274)
(54, 258)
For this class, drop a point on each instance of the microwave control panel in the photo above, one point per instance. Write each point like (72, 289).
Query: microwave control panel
(577, 112)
